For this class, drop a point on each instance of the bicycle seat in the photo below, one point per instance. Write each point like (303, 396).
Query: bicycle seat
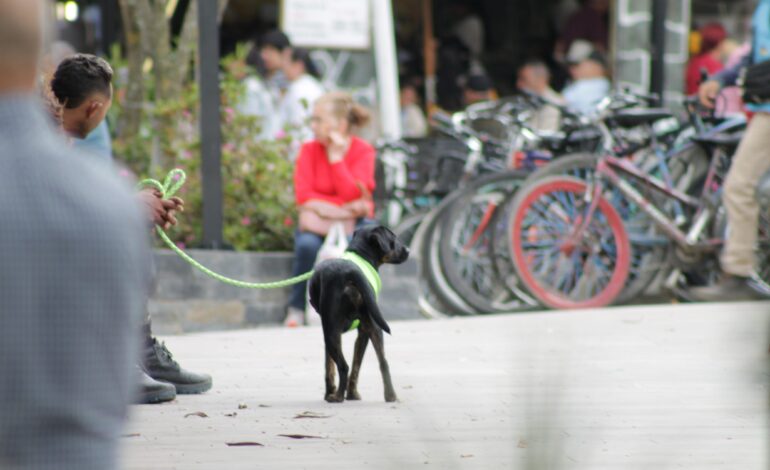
(727, 141)
(584, 135)
(638, 116)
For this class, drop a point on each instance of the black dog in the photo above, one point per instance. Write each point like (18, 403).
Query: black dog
(344, 292)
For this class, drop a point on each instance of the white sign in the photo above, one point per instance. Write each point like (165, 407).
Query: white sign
(331, 24)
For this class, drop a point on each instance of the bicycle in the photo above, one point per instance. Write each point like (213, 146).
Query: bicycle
(571, 248)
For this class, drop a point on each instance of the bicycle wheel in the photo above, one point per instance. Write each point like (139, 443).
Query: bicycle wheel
(502, 262)
(436, 297)
(762, 281)
(406, 229)
(648, 245)
(564, 259)
(466, 246)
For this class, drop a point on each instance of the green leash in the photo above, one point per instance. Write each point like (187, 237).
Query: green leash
(174, 180)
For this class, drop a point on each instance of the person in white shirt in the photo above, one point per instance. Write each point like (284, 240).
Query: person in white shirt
(304, 89)
(274, 50)
(257, 101)
(590, 84)
(413, 122)
(534, 77)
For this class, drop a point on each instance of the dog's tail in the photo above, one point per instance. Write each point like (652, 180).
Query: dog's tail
(370, 301)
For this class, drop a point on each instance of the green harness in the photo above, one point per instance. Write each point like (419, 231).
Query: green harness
(371, 275)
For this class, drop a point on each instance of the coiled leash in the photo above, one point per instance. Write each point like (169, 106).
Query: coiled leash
(174, 180)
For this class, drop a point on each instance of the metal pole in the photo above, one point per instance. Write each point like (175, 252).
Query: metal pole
(387, 69)
(429, 54)
(109, 9)
(211, 133)
(658, 42)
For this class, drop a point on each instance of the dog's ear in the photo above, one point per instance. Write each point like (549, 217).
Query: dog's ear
(379, 237)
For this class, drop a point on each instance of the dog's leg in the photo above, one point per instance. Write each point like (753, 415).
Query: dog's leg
(358, 356)
(334, 349)
(330, 387)
(378, 343)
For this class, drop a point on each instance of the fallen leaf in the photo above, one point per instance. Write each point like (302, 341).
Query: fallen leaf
(136, 434)
(197, 413)
(243, 406)
(522, 444)
(264, 406)
(407, 387)
(310, 414)
(244, 444)
(231, 415)
(300, 436)
(466, 456)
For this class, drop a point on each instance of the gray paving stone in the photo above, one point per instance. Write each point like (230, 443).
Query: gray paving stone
(646, 387)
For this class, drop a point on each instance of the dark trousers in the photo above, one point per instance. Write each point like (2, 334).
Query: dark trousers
(306, 247)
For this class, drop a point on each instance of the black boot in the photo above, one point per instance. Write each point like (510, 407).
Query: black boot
(160, 365)
(729, 289)
(152, 391)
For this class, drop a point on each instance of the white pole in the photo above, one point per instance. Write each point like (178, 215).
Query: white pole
(387, 68)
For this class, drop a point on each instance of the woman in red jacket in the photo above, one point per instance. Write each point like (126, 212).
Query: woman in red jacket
(333, 181)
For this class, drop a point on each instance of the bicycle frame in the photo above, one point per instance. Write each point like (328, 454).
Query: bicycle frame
(610, 168)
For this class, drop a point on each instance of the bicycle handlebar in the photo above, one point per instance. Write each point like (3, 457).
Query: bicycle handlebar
(398, 145)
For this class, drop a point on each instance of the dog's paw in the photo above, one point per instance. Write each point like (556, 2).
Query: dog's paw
(353, 395)
(390, 397)
(334, 398)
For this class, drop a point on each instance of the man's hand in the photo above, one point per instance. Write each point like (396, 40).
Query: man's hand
(708, 91)
(162, 212)
(171, 206)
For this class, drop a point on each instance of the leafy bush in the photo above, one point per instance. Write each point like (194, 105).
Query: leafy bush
(257, 182)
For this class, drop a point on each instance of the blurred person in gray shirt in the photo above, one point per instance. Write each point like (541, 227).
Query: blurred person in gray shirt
(73, 263)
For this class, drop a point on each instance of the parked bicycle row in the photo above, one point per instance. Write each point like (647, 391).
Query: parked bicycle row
(614, 206)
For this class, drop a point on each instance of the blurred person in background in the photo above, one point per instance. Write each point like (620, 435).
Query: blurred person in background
(304, 89)
(588, 69)
(333, 182)
(751, 160)
(589, 23)
(709, 58)
(413, 122)
(534, 77)
(275, 50)
(469, 29)
(477, 88)
(257, 100)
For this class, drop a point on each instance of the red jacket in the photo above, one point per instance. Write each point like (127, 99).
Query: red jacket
(692, 78)
(316, 178)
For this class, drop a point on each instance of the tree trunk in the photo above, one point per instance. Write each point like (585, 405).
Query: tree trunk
(133, 101)
(148, 36)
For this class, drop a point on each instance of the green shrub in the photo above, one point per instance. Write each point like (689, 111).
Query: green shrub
(257, 183)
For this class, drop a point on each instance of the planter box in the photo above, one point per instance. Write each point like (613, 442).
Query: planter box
(187, 300)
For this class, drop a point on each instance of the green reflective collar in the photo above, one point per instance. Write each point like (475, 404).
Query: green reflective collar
(367, 269)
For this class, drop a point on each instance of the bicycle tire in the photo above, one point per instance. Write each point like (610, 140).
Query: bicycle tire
(432, 297)
(502, 261)
(407, 228)
(470, 271)
(581, 260)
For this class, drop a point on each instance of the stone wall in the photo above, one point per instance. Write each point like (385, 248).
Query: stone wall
(186, 300)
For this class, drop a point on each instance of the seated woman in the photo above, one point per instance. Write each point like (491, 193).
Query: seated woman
(333, 181)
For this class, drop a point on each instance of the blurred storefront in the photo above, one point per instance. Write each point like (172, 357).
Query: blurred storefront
(513, 31)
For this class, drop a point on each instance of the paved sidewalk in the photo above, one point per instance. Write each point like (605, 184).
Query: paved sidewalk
(645, 387)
